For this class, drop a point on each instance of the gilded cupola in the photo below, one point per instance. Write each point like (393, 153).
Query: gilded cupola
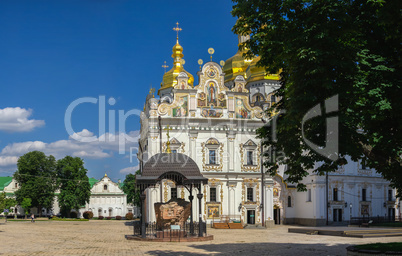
(236, 65)
(170, 77)
(256, 73)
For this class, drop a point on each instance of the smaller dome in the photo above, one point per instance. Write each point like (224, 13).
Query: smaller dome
(256, 73)
(170, 77)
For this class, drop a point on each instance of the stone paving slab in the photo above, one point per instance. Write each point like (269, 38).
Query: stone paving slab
(102, 237)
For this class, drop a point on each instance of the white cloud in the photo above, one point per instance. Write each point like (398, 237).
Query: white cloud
(8, 160)
(103, 147)
(128, 170)
(16, 120)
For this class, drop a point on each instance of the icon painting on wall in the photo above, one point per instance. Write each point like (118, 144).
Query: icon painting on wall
(241, 111)
(182, 109)
(211, 99)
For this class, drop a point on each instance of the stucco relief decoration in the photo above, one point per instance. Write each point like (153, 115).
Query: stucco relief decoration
(180, 104)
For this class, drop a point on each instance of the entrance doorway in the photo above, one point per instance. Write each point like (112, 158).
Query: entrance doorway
(277, 216)
(337, 215)
(251, 217)
(391, 214)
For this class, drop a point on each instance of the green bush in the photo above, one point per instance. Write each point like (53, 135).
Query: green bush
(88, 215)
(129, 216)
(73, 215)
(118, 217)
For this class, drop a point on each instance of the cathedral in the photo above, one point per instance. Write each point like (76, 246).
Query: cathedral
(214, 122)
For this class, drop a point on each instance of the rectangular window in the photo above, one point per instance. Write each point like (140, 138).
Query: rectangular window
(390, 195)
(363, 194)
(212, 157)
(335, 194)
(309, 195)
(212, 194)
(173, 193)
(249, 157)
(250, 194)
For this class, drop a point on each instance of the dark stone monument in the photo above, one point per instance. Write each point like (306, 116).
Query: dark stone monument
(175, 212)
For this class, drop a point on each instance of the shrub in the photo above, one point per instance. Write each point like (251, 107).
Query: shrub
(108, 218)
(88, 215)
(100, 218)
(73, 215)
(118, 217)
(129, 216)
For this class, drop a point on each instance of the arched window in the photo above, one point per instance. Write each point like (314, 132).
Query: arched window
(258, 98)
(289, 201)
(104, 187)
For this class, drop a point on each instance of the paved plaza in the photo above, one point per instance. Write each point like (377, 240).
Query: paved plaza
(107, 238)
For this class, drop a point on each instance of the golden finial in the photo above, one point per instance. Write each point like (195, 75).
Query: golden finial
(200, 63)
(167, 129)
(152, 91)
(177, 29)
(165, 66)
(211, 51)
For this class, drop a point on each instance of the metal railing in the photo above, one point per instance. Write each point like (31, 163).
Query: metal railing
(374, 219)
(152, 230)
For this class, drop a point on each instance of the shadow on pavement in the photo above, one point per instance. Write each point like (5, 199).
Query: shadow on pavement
(259, 249)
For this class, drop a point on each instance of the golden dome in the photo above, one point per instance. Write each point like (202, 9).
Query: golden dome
(256, 73)
(169, 78)
(235, 66)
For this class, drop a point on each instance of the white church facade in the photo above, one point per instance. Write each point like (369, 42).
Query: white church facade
(215, 124)
(107, 199)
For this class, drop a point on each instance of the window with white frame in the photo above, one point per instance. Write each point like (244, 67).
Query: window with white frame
(308, 195)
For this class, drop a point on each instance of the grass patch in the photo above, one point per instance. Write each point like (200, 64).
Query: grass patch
(382, 247)
(67, 219)
(390, 224)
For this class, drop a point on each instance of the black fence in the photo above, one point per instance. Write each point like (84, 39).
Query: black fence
(374, 219)
(153, 231)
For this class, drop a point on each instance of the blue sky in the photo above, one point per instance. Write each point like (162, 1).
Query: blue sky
(53, 53)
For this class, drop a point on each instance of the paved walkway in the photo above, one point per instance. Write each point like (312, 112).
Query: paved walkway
(107, 238)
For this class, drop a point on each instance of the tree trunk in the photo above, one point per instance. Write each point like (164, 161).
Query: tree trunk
(40, 210)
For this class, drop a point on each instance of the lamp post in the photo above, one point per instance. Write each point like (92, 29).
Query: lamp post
(199, 196)
(142, 197)
(350, 215)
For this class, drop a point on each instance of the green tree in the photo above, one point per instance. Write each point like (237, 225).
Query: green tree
(26, 205)
(133, 195)
(37, 178)
(349, 48)
(73, 182)
(6, 203)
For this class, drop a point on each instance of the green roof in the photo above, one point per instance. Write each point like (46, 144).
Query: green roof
(92, 181)
(4, 181)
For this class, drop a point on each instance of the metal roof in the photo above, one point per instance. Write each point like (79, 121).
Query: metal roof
(171, 166)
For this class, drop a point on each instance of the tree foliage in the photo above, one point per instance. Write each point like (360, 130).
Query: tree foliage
(133, 196)
(6, 203)
(73, 182)
(26, 205)
(37, 178)
(349, 48)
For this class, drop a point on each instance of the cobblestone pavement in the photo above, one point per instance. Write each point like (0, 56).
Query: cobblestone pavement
(101, 237)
